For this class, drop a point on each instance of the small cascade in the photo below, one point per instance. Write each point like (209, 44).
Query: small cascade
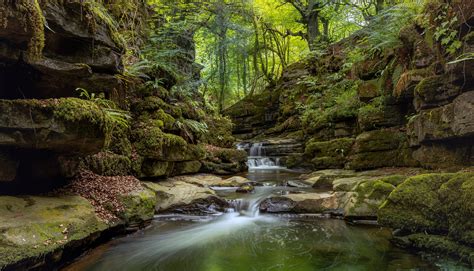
(246, 207)
(258, 160)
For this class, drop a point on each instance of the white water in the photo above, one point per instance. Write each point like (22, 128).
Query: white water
(244, 215)
(258, 160)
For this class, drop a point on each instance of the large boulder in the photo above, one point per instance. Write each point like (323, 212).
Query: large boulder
(433, 212)
(35, 230)
(179, 194)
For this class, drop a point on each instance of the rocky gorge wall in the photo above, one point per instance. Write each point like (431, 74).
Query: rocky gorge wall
(406, 111)
(49, 50)
(77, 130)
(407, 106)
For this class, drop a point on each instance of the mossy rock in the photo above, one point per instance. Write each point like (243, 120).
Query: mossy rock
(435, 91)
(155, 168)
(458, 197)
(438, 244)
(32, 227)
(336, 147)
(108, 164)
(139, 207)
(188, 167)
(65, 125)
(379, 140)
(416, 206)
(151, 142)
(369, 90)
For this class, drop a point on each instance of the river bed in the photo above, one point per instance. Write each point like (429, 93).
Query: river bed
(243, 239)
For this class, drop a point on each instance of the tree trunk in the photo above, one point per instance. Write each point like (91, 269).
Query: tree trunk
(312, 24)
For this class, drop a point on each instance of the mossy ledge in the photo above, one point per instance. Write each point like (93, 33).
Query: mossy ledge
(433, 212)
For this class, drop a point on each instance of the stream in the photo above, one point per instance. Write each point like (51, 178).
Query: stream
(243, 239)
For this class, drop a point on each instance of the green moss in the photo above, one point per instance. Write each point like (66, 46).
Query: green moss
(339, 147)
(458, 197)
(108, 164)
(33, 21)
(441, 245)
(99, 14)
(32, 227)
(152, 142)
(139, 206)
(338, 102)
(415, 205)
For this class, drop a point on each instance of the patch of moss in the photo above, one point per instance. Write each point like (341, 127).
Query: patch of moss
(139, 206)
(458, 197)
(108, 164)
(34, 21)
(437, 244)
(416, 206)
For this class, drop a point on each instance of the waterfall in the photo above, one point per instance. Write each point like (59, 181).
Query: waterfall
(258, 160)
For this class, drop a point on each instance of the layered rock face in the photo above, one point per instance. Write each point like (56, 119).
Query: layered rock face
(407, 106)
(54, 51)
(47, 52)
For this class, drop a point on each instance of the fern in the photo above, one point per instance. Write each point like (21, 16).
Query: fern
(383, 32)
(118, 117)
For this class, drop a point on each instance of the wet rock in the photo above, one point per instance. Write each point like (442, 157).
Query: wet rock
(246, 188)
(298, 184)
(301, 203)
(139, 208)
(33, 228)
(437, 210)
(179, 194)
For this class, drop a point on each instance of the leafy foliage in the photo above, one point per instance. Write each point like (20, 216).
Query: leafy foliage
(118, 117)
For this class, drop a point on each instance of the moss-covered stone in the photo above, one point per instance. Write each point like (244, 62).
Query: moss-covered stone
(379, 140)
(68, 125)
(155, 168)
(435, 90)
(415, 205)
(139, 207)
(369, 89)
(458, 197)
(32, 227)
(188, 167)
(108, 164)
(437, 244)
